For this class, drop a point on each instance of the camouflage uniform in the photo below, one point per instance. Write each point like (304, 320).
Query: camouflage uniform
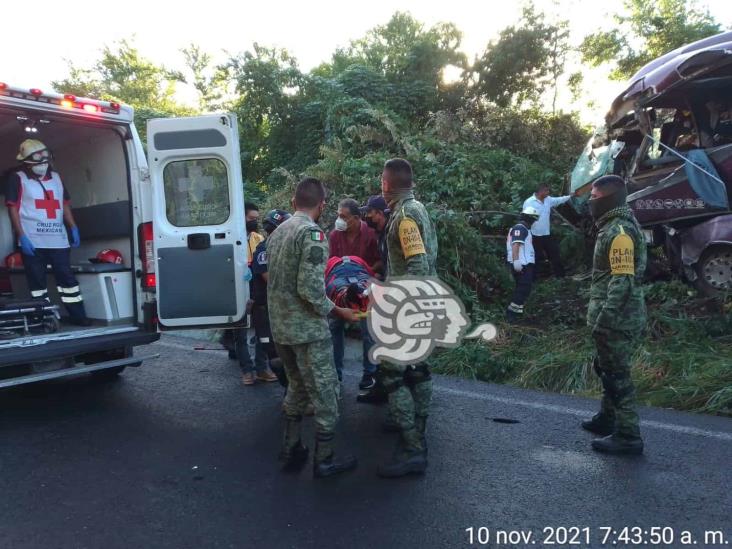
(617, 314)
(298, 308)
(411, 243)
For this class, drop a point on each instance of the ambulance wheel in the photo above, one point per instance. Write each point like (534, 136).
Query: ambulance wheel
(51, 325)
(714, 271)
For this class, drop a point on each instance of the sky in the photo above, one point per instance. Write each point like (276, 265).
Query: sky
(53, 32)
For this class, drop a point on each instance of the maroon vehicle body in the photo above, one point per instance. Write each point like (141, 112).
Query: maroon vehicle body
(669, 134)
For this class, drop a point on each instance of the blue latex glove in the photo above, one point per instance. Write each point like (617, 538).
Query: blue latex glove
(75, 238)
(26, 245)
(247, 274)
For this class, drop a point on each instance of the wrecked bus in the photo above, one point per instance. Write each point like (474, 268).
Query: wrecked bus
(669, 134)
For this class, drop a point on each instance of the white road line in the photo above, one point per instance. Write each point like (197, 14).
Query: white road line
(535, 405)
(582, 413)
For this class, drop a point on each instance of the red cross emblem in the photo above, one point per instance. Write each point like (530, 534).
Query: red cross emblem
(49, 203)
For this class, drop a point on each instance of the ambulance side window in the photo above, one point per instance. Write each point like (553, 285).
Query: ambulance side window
(196, 192)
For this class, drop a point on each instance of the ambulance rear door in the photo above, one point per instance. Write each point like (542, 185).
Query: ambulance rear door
(199, 230)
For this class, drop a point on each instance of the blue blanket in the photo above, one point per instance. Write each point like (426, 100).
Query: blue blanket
(709, 189)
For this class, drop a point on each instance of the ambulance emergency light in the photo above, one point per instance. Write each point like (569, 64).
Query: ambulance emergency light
(66, 101)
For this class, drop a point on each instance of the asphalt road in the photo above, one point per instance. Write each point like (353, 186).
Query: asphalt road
(179, 454)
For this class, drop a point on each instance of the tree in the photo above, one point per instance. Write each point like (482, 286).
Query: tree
(210, 82)
(123, 75)
(558, 50)
(269, 84)
(523, 63)
(409, 57)
(646, 31)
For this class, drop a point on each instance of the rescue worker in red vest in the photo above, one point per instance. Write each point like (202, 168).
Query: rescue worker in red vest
(39, 205)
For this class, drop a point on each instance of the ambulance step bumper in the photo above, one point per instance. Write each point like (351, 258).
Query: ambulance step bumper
(75, 370)
(92, 341)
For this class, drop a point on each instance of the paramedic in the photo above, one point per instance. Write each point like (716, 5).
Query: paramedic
(520, 257)
(39, 205)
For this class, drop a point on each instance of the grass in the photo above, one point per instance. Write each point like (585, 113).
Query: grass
(684, 361)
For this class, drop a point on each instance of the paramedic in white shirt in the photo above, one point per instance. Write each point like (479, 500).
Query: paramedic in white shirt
(40, 211)
(520, 258)
(544, 243)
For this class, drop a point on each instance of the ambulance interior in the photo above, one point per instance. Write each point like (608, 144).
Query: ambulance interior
(92, 163)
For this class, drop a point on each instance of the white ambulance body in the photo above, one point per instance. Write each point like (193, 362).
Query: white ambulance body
(176, 216)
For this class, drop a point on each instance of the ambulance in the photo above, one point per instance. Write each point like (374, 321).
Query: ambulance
(176, 216)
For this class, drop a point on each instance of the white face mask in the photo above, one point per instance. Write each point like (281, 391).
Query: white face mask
(340, 225)
(40, 169)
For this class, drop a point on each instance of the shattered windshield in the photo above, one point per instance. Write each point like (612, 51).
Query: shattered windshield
(596, 160)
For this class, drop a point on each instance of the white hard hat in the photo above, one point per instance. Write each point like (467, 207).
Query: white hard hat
(530, 211)
(29, 148)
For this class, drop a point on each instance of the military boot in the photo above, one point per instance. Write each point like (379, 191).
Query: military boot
(293, 455)
(599, 424)
(294, 458)
(618, 444)
(409, 457)
(325, 464)
(603, 422)
(625, 438)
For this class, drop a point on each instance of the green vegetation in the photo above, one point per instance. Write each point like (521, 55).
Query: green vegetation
(479, 145)
(646, 30)
(684, 361)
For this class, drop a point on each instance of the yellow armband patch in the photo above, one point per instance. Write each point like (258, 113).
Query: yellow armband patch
(622, 255)
(410, 238)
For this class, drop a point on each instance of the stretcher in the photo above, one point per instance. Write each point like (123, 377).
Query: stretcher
(21, 317)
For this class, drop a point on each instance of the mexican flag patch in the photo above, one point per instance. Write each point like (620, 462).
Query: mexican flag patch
(317, 235)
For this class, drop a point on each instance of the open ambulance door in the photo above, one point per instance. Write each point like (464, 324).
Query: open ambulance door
(198, 221)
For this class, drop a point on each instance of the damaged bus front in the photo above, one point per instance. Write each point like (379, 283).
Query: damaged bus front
(669, 134)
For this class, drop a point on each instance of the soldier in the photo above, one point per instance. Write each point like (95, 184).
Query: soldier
(616, 315)
(298, 311)
(411, 244)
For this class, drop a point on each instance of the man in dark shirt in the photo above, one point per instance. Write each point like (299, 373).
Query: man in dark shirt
(260, 316)
(353, 237)
(237, 341)
(376, 215)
